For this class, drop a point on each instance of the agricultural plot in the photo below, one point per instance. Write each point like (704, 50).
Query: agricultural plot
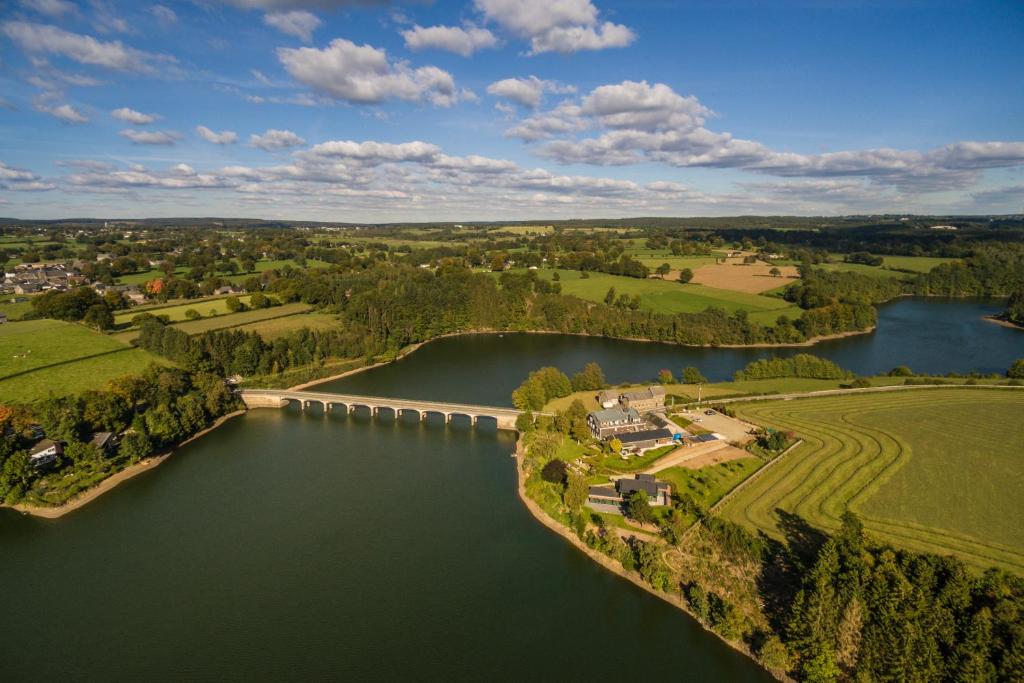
(15, 310)
(939, 471)
(755, 278)
(672, 297)
(244, 319)
(708, 485)
(176, 312)
(39, 357)
(277, 327)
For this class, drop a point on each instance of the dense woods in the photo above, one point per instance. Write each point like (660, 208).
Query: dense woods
(800, 365)
(989, 271)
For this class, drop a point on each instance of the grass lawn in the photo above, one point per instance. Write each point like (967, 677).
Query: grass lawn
(938, 471)
(672, 297)
(277, 327)
(259, 316)
(39, 357)
(616, 465)
(14, 310)
(708, 485)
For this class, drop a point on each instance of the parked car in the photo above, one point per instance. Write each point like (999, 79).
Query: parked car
(709, 412)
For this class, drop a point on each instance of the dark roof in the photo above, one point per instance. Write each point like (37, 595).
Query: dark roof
(42, 446)
(645, 435)
(100, 439)
(705, 437)
(646, 483)
(606, 491)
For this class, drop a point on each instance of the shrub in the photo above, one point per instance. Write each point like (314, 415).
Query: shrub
(553, 471)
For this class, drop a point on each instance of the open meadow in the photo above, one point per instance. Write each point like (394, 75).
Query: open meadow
(39, 357)
(662, 296)
(939, 470)
(176, 312)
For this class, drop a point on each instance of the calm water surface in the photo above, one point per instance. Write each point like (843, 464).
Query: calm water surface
(298, 546)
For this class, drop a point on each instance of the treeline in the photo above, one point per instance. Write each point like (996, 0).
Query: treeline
(989, 271)
(800, 365)
(867, 611)
(547, 384)
(81, 304)
(153, 411)
(817, 288)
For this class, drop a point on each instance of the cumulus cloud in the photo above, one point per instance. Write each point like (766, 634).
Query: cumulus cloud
(133, 117)
(64, 112)
(84, 49)
(637, 122)
(151, 137)
(461, 41)
(225, 137)
(21, 180)
(526, 91)
(363, 74)
(273, 140)
(178, 177)
(564, 26)
(303, 4)
(298, 23)
(376, 152)
(52, 8)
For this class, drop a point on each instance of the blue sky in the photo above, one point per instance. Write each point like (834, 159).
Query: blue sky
(509, 109)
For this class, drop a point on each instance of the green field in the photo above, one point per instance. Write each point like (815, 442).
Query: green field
(259, 316)
(708, 485)
(936, 470)
(15, 310)
(891, 266)
(181, 271)
(271, 329)
(672, 297)
(39, 357)
(176, 312)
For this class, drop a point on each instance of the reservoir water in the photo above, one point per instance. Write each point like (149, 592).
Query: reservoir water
(288, 545)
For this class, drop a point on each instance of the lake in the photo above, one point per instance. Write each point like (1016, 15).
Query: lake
(297, 545)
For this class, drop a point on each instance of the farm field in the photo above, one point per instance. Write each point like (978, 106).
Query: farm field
(938, 471)
(38, 357)
(259, 316)
(672, 297)
(753, 278)
(14, 310)
(708, 485)
(176, 312)
(276, 327)
(261, 266)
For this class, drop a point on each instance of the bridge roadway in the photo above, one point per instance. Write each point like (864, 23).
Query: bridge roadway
(279, 398)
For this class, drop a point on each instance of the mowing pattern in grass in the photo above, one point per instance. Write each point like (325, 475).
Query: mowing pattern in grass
(708, 485)
(65, 359)
(939, 471)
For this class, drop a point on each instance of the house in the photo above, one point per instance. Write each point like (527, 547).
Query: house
(659, 493)
(611, 421)
(607, 399)
(3, 318)
(44, 453)
(638, 442)
(102, 441)
(645, 400)
(227, 289)
(27, 288)
(136, 297)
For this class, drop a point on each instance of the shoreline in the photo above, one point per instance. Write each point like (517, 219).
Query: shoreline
(111, 482)
(611, 565)
(998, 320)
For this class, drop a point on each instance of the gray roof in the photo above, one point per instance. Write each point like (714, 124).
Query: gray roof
(645, 435)
(615, 415)
(643, 482)
(644, 394)
(606, 491)
(100, 439)
(42, 446)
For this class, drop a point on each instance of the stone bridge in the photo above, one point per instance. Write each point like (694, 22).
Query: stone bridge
(279, 398)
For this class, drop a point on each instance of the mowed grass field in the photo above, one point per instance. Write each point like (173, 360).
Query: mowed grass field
(176, 312)
(40, 357)
(672, 297)
(938, 470)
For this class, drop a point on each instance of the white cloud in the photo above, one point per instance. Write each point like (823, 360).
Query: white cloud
(225, 137)
(376, 152)
(133, 117)
(84, 49)
(556, 25)
(526, 91)
(303, 4)
(63, 112)
(298, 23)
(363, 74)
(151, 137)
(52, 8)
(105, 18)
(272, 140)
(461, 41)
(165, 15)
(179, 177)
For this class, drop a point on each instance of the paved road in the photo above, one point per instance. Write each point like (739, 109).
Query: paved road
(841, 392)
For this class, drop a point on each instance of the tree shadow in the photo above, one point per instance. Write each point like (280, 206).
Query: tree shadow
(784, 563)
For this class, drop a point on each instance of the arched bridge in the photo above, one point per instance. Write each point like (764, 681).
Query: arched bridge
(279, 398)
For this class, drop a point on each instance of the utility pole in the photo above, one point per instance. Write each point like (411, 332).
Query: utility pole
(699, 387)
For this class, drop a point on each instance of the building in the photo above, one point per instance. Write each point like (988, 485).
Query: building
(227, 289)
(3, 318)
(612, 421)
(645, 400)
(607, 398)
(659, 493)
(102, 441)
(638, 442)
(44, 454)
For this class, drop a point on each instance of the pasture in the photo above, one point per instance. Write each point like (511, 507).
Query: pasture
(662, 296)
(176, 312)
(14, 310)
(755, 278)
(39, 357)
(939, 470)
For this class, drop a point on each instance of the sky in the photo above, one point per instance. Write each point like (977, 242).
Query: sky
(375, 111)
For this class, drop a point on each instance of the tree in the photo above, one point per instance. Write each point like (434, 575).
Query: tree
(576, 491)
(259, 300)
(555, 277)
(663, 269)
(615, 445)
(901, 371)
(775, 272)
(135, 446)
(553, 471)
(774, 654)
(638, 508)
(665, 377)
(524, 422)
(192, 314)
(99, 316)
(692, 375)
(685, 275)
(579, 429)
(609, 298)
(233, 304)
(1016, 370)
(590, 378)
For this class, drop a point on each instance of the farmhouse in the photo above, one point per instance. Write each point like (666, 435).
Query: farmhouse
(638, 442)
(607, 399)
(611, 421)
(645, 400)
(44, 453)
(659, 493)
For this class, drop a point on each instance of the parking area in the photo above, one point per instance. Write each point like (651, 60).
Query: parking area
(733, 429)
